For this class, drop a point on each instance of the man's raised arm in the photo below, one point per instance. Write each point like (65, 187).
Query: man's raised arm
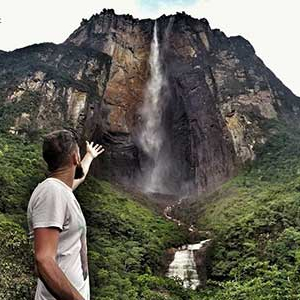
(91, 153)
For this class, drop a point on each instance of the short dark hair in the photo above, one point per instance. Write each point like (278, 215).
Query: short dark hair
(57, 146)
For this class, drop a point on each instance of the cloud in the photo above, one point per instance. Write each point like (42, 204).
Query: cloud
(271, 26)
(35, 21)
(157, 6)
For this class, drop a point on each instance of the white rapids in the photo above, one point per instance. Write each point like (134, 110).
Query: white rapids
(184, 267)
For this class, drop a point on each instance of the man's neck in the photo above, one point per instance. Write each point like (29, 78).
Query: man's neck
(67, 176)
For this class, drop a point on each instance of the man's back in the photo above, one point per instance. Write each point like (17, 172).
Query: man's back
(53, 203)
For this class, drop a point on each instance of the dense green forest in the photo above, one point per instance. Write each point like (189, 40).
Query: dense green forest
(256, 222)
(254, 219)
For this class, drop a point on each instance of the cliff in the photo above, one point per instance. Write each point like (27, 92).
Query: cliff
(218, 95)
(47, 86)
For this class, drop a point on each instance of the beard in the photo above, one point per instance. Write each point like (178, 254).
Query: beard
(78, 172)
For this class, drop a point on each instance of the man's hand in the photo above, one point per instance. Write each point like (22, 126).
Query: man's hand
(92, 151)
(95, 150)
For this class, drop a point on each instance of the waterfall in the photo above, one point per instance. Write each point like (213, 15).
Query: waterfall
(184, 267)
(151, 136)
(152, 142)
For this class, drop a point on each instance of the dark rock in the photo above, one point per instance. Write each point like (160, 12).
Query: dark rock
(166, 260)
(203, 261)
(46, 87)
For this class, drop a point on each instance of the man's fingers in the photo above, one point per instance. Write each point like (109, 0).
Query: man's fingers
(98, 147)
(99, 152)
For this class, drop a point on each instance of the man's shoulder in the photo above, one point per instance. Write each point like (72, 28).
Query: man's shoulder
(47, 184)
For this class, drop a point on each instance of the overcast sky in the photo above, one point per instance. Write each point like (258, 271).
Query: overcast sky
(272, 26)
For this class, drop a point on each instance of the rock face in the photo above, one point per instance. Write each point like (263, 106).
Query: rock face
(47, 86)
(217, 96)
(127, 41)
(203, 262)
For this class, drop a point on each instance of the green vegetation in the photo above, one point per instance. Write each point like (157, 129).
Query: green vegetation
(20, 171)
(126, 241)
(256, 222)
(10, 111)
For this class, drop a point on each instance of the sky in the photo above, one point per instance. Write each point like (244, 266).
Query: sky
(271, 26)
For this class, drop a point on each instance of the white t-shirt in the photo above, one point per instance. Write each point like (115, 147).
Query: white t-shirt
(53, 203)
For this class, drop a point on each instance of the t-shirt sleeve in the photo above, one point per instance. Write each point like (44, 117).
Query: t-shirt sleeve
(49, 209)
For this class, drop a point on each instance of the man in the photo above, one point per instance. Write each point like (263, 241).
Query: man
(56, 222)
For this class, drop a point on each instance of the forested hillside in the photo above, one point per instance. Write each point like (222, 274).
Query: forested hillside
(126, 240)
(255, 220)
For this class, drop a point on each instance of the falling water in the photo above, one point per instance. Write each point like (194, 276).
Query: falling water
(152, 134)
(184, 266)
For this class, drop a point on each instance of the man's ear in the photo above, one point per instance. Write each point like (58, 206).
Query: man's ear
(74, 158)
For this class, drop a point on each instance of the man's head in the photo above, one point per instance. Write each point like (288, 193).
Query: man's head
(61, 150)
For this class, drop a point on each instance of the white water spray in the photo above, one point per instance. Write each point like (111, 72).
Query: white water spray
(184, 267)
(152, 135)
